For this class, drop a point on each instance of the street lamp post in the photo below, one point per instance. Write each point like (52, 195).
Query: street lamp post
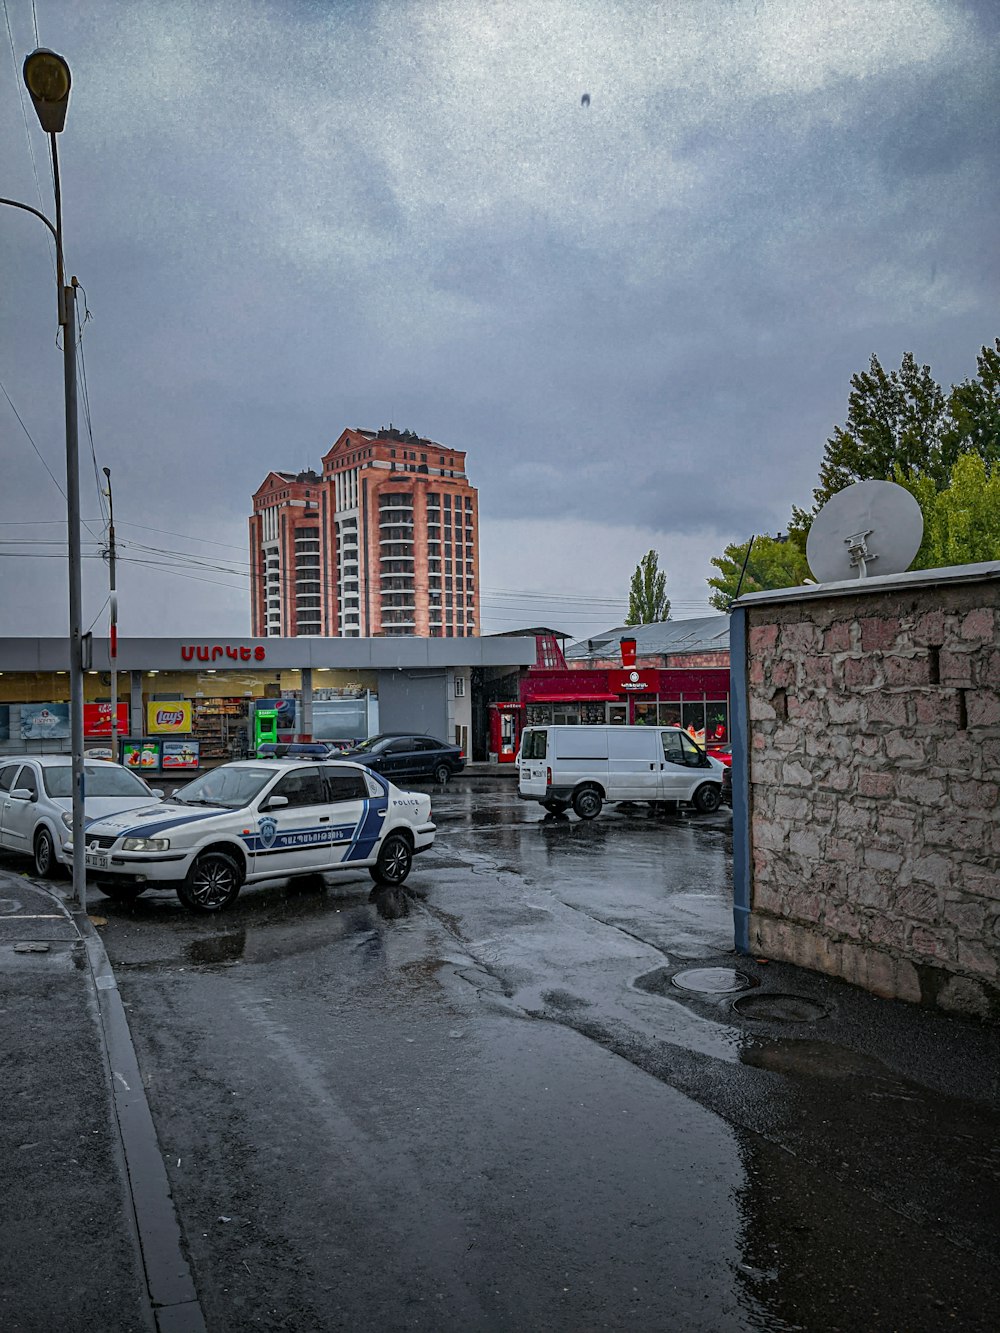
(48, 81)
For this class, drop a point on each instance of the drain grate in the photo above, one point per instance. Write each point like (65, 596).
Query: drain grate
(780, 1008)
(712, 980)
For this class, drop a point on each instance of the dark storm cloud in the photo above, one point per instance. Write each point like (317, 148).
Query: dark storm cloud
(643, 312)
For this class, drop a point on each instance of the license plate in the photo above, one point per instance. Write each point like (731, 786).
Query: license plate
(97, 861)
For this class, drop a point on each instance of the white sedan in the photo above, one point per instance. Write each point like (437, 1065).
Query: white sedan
(36, 802)
(262, 819)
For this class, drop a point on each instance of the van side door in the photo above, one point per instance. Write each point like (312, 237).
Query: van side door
(633, 764)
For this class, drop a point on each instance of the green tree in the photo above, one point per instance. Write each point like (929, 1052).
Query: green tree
(895, 422)
(974, 412)
(647, 594)
(961, 522)
(774, 562)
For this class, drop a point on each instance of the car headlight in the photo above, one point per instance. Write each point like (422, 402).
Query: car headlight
(67, 819)
(145, 844)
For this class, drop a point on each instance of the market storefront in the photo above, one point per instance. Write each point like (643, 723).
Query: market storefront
(181, 705)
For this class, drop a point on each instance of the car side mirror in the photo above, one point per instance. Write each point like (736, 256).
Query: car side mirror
(157, 791)
(23, 794)
(276, 803)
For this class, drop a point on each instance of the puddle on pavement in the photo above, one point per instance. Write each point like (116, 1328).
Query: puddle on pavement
(770, 1007)
(812, 1058)
(227, 948)
(391, 903)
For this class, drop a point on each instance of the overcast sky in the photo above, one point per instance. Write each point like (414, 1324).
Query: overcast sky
(639, 315)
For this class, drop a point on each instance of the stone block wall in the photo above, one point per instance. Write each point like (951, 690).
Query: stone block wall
(874, 789)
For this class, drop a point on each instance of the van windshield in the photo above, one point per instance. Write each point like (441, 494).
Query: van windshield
(533, 745)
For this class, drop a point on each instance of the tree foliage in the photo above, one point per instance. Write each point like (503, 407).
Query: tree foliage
(772, 563)
(974, 413)
(895, 423)
(901, 426)
(647, 594)
(961, 522)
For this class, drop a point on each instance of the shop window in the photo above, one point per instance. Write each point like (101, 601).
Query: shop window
(693, 719)
(670, 715)
(717, 721)
(565, 715)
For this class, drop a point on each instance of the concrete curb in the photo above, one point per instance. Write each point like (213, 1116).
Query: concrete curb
(171, 1287)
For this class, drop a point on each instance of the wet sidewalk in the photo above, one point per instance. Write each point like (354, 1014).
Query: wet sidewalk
(73, 1255)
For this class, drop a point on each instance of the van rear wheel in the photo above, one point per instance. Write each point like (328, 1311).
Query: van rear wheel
(587, 802)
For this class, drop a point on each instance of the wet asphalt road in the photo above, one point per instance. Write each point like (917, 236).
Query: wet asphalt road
(486, 1106)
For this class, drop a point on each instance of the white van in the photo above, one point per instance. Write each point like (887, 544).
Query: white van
(583, 767)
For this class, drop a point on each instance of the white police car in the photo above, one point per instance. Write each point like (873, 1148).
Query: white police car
(261, 819)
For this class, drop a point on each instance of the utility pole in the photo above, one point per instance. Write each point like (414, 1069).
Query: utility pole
(113, 643)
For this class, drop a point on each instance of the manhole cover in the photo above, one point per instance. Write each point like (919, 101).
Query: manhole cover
(780, 1008)
(712, 980)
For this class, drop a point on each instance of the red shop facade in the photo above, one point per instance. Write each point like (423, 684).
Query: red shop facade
(696, 699)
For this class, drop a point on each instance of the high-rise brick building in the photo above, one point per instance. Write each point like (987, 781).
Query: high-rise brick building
(384, 541)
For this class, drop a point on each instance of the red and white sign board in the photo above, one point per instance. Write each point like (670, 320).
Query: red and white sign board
(632, 682)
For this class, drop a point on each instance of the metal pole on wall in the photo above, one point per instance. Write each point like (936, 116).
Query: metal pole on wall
(48, 81)
(113, 642)
(68, 321)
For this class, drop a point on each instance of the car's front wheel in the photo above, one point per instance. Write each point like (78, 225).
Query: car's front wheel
(212, 883)
(394, 861)
(708, 798)
(442, 773)
(46, 864)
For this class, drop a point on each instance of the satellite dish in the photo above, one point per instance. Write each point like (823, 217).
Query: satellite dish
(872, 527)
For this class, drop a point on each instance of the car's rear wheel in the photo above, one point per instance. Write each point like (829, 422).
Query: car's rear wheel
(587, 802)
(120, 891)
(708, 798)
(212, 883)
(46, 865)
(394, 861)
(442, 773)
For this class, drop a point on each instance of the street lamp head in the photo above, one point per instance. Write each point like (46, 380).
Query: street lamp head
(48, 81)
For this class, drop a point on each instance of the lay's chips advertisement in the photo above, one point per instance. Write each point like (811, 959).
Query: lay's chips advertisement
(170, 718)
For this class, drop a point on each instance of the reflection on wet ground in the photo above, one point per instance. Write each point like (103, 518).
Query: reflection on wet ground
(494, 1070)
